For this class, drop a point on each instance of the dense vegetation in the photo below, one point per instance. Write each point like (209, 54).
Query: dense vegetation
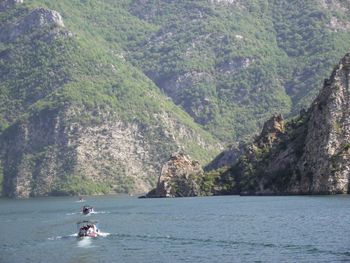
(233, 66)
(84, 70)
(220, 69)
(254, 164)
(229, 66)
(47, 70)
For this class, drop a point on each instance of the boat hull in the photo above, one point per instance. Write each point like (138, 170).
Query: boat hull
(91, 235)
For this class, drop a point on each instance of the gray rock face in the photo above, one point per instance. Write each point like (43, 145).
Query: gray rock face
(326, 152)
(308, 155)
(228, 2)
(272, 129)
(24, 173)
(5, 4)
(50, 148)
(180, 177)
(41, 17)
(36, 20)
(236, 64)
(226, 158)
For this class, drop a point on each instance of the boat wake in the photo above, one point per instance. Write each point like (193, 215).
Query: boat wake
(103, 234)
(101, 212)
(84, 242)
(75, 213)
(54, 238)
(100, 234)
(62, 237)
(91, 213)
(96, 212)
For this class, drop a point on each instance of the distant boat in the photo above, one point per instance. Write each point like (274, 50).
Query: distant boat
(88, 228)
(81, 199)
(88, 210)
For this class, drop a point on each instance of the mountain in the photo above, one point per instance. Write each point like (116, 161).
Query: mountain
(180, 177)
(96, 94)
(76, 117)
(232, 64)
(229, 64)
(306, 155)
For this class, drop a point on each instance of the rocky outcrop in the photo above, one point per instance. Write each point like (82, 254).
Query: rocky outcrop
(225, 2)
(307, 155)
(37, 20)
(271, 130)
(40, 17)
(54, 140)
(179, 177)
(6, 4)
(227, 157)
(36, 152)
(235, 65)
(334, 5)
(339, 13)
(336, 24)
(53, 153)
(325, 161)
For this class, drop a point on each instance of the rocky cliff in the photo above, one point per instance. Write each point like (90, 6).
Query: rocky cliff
(227, 157)
(74, 120)
(139, 79)
(29, 22)
(49, 153)
(307, 155)
(325, 161)
(179, 177)
(6, 4)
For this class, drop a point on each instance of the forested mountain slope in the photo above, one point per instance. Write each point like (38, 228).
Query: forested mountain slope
(78, 118)
(229, 64)
(306, 155)
(96, 94)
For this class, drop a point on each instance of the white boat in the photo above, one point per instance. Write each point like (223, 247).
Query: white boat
(88, 228)
(88, 210)
(81, 199)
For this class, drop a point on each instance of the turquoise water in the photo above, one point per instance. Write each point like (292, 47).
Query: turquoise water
(210, 229)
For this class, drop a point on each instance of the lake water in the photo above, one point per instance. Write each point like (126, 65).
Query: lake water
(209, 229)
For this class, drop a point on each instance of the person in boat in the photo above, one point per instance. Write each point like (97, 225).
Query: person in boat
(87, 229)
(87, 209)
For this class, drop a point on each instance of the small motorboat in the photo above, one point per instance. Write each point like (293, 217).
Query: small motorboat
(81, 199)
(87, 228)
(88, 210)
